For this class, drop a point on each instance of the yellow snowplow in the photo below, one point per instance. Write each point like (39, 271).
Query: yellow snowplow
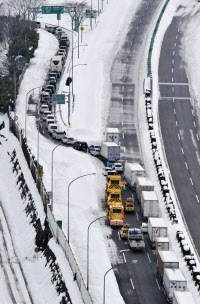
(114, 196)
(114, 182)
(116, 214)
(129, 205)
(124, 231)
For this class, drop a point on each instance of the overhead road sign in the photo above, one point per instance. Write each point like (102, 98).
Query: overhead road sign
(52, 9)
(58, 98)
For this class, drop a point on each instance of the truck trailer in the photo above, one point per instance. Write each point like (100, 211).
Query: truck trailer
(156, 228)
(110, 150)
(180, 297)
(149, 204)
(173, 280)
(131, 172)
(143, 184)
(166, 259)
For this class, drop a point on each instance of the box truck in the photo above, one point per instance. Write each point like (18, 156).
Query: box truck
(180, 297)
(110, 150)
(156, 228)
(143, 184)
(162, 243)
(173, 280)
(149, 204)
(131, 172)
(147, 85)
(166, 259)
(112, 135)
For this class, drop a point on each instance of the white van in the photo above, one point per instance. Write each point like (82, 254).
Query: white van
(45, 113)
(57, 63)
(52, 127)
(43, 108)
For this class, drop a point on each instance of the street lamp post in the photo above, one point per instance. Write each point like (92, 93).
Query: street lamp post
(72, 90)
(68, 195)
(88, 235)
(104, 281)
(26, 109)
(52, 176)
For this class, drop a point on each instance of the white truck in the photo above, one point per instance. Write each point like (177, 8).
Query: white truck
(149, 204)
(166, 259)
(56, 63)
(132, 171)
(112, 135)
(110, 150)
(147, 85)
(136, 239)
(156, 228)
(143, 184)
(173, 280)
(180, 297)
(162, 243)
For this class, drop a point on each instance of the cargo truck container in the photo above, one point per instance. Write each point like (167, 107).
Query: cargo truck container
(173, 280)
(112, 135)
(156, 228)
(166, 259)
(149, 204)
(180, 297)
(131, 172)
(143, 184)
(162, 243)
(110, 150)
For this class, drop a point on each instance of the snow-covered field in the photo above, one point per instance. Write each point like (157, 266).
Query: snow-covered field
(92, 94)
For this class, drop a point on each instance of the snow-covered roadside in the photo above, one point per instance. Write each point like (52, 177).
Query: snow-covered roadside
(85, 194)
(148, 159)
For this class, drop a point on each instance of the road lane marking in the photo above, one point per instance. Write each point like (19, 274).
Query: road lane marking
(175, 83)
(197, 198)
(137, 216)
(136, 28)
(186, 165)
(122, 98)
(149, 258)
(123, 135)
(124, 149)
(173, 53)
(124, 78)
(140, 21)
(124, 257)
(176, 123)
(194, 124)
(178, 29)
(197, 136)
(122, 123)
(125, 250)
(172, 79)
(179, 137)
(172, 70)
(157, 284)
(132, 284)
(174, 111)
(182, 150)
(176, 36)
(191, 181)
(175, 44)
(172, 61)
(173, 90)
(122, 88)
(119, 236)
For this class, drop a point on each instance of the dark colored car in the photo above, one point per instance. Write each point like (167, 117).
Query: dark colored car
(51, 87)
(80, 145)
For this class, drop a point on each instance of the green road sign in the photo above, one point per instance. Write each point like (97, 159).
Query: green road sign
(58, 98)
(58, 16)
(59, 224)
(52, 9)
(76, 22)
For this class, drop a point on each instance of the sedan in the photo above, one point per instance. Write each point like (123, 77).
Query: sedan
(69, 140)
(58, 134)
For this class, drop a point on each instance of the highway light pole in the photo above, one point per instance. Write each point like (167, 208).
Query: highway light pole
(52, 175)
(26, 109)
(72, 90)
(68, 195)
(104, 281)
(88, 235)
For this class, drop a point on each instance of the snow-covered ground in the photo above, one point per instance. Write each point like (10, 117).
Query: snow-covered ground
(92, 94)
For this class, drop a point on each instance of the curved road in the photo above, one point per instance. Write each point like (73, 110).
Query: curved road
(179, 127)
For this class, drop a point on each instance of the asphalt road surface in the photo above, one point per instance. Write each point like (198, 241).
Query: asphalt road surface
(138, 282)
(179, 127)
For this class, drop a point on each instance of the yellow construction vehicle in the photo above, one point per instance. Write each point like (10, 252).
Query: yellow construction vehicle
(116, 214)
(129, 205)
(114, 196)
(114, 182)
(124, 231)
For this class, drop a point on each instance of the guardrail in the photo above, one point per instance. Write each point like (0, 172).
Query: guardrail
(58, 234)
